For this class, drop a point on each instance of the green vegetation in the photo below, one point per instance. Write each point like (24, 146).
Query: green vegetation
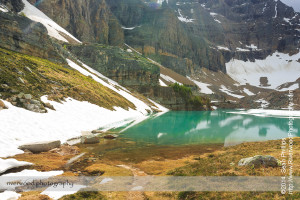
(224, 163)
(39, 77)
(186, 93)
(84, 195)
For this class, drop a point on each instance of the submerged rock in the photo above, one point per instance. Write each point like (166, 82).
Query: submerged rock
(38, 147)
(111, 136)
(258, 161)
(97, 131)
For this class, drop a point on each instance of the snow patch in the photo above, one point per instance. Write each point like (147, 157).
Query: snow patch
(10, 164)
(53, 28)
(248, 92)
(169, 79)
(223, 48)
(9, 195)
(279, 68)
(229, 92)
(161, 83)
(240, 49)
(184, 19)
(3, 8)
(264, 103)
(203, 86)
(60, 191)
(269, 113)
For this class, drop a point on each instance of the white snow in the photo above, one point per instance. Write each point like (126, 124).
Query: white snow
(10, 164)
(253, 47)
(69, 119)
(161, 83)
(184, 19)
(169, 79)
(203, 86)
(213, 15)
(160, 107)
(287, 20)
(291, 87)
(53, 28)
(9, 195)
(240, 49)
(248, 92)
(223, 48)
(275, 10)
(229, 92)
(3, 8)
(128, 28)
(264, 103)
(276, 67)
(269, 113)
(61, 190)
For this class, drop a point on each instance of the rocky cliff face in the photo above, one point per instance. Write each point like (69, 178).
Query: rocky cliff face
(20, 34)
(183, 35)
(127, 68)
(208, 33)
(89, 21)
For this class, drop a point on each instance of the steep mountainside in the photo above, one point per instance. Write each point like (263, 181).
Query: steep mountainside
(184, 35)
(89, 21)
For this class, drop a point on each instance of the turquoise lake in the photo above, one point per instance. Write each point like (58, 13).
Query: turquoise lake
(219, 127)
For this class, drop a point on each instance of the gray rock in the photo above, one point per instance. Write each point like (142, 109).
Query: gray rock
(29, 107)
(21, 80)
(21, 95)
(89, 139)
(258, 161)
(97, 131)
(41, 146)
(32, 101)
(111, 136)
(28, 69)
(28, 96)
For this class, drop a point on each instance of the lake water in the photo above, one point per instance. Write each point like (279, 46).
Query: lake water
(209, 127)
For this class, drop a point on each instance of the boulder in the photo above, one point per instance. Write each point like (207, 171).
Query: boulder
(258, 161)
(28, 96)
(97, 131)
(38, 147)
(111, 136)
(89, 139)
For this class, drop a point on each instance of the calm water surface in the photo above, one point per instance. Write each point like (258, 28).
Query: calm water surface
(186, 128)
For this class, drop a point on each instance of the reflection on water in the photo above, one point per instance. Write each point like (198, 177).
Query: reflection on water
(182, 128)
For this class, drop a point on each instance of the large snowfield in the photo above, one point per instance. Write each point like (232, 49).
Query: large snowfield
(279, 68)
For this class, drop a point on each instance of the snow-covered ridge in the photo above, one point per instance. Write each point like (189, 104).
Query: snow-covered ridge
(279, 68)
(54, 30)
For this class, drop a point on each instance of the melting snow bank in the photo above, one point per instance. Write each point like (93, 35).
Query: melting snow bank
(269, 113)
(10, 164)
(279, 68)
(20, 126)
